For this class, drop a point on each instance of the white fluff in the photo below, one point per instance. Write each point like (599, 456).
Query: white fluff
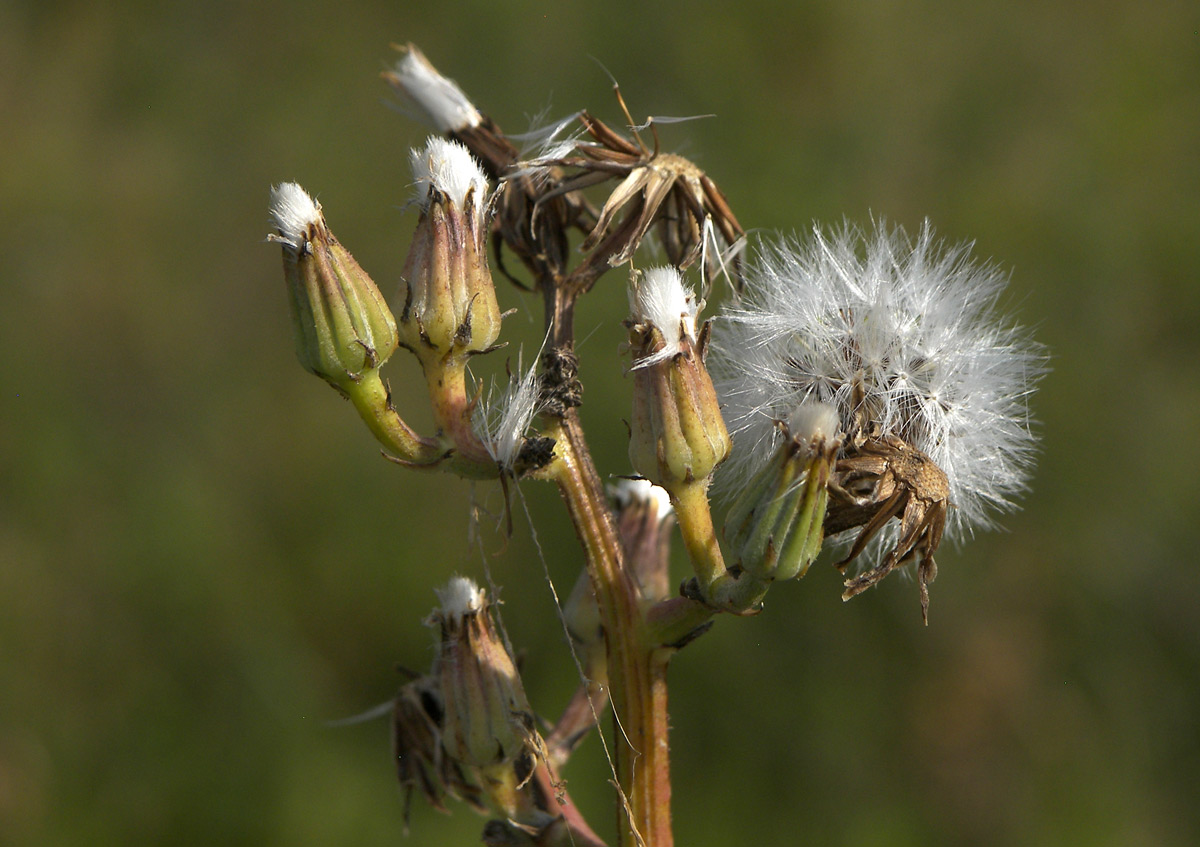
(627, 491)
(293, 211)
(450, 168)
(813, 420)
(917, 319)
(501, 424)
(659, 297)
(440, 99)
(460, 597)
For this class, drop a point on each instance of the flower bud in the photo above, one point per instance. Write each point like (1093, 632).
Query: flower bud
(677, 434)
(342, 324)
(487, 718)
(775, 528)
(450, 307)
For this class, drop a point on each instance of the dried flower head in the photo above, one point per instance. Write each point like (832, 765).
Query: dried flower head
(655, 188)
(930, 385)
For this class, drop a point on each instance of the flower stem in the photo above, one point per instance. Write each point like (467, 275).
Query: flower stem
(373, 402)
(636, 668)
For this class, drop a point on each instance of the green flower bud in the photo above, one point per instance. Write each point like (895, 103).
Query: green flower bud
(450, 308)
(775, 528)
(677, 434)
(342, 324)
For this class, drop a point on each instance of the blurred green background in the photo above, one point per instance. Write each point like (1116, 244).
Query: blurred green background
(203, 558)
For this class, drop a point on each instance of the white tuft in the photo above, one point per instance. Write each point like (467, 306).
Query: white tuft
(440, 99)
(813, 420)
(625, 492)
(915, 322)
(460, 597)
(501, 424)
(544, 147)
(450, 168)
(293, 212)
(659, 297)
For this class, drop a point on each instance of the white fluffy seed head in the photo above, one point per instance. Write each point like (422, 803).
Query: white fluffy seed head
(440, 99)
(460, 597)
(450, 168)
(915, 322)
(659, 297)
(293, 212)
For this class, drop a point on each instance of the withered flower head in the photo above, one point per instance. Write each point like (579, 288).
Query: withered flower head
(931, 387)
(487, 720)
(418, 715)
(655, 188)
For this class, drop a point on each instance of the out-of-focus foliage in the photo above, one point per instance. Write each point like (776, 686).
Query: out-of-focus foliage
(203, 559)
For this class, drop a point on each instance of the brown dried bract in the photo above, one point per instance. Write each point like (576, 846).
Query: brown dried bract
(656, 187)
(879, 479)
(417, 721)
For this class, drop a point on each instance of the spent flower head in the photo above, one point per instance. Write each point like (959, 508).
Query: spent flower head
(902, 338)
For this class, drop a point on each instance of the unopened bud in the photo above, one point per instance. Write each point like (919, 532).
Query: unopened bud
(677, 434)
(488, 721)
(450, 308)
(342, 324)
(775, 528)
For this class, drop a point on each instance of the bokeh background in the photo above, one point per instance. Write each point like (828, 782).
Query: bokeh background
(203, 559)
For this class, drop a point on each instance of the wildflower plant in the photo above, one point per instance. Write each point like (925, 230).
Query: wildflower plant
(864, 390)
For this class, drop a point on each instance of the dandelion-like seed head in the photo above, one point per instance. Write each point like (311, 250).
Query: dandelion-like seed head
(902, 339)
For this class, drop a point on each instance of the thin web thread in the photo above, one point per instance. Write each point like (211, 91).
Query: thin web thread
(562, 619)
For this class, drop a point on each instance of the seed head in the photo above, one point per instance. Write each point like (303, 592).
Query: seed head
(902, 339)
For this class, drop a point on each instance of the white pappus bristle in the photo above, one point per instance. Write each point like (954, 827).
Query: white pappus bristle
(659, 297)
(627, 491)
(450, 168)
(501, 424)
(440, 99)
(293, 212)
(460, 597)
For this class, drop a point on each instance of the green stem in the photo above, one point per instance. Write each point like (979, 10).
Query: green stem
(695, 525)
(374, 404)
(636, 669)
